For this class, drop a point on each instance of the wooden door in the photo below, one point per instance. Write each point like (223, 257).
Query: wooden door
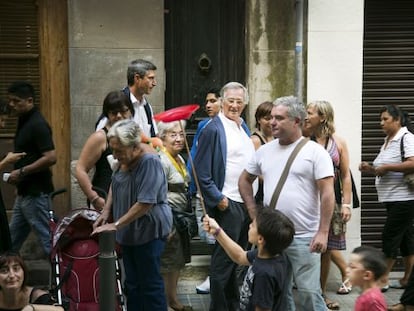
(204, 48)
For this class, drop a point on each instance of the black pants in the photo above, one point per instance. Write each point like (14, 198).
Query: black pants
(224, 290)
(398, 231)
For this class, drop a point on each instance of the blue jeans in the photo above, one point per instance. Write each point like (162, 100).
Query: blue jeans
(305, 270)
(143, 280)
(30, 212)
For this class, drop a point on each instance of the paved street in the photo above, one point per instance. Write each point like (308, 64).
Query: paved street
(196, 272)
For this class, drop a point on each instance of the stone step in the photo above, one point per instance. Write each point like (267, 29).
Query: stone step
(39, 272)
(199, 247)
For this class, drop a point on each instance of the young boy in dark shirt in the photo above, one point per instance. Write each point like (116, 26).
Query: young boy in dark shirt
(265, 284)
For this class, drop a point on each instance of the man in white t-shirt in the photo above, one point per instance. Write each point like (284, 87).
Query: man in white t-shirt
(141, 80)
(307, 197)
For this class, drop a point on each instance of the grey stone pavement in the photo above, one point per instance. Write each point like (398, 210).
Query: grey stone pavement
(197, 270)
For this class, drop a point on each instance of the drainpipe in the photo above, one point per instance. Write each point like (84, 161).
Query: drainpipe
(299, 51)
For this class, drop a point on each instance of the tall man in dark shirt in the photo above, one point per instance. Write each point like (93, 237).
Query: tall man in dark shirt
(31, 175)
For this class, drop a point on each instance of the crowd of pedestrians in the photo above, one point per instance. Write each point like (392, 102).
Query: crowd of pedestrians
(276, 200)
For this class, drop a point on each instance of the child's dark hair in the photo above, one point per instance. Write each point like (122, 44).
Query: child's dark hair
(372, 259)
(276, 228)
(397, 113)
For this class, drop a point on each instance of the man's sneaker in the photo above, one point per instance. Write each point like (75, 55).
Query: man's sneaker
(204, 288)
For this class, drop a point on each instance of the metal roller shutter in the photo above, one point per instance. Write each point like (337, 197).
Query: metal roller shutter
(19, 49)
(388, 78)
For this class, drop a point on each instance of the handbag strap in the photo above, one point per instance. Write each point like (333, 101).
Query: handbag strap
(402, 148)
(285, 172)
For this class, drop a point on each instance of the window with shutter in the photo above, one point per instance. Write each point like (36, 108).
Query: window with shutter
(19, 49)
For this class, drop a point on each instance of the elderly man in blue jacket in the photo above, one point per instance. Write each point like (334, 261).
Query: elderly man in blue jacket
(224, 148)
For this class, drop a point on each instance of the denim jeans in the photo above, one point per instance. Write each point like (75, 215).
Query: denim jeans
(304, 269)
(30, 212)
(143, 280)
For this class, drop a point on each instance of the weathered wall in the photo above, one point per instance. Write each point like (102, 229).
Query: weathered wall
(104, 35)
(270, 51)
(335, 47)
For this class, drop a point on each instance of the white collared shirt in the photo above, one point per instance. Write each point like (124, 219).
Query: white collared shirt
(140, 116)
(240, 149)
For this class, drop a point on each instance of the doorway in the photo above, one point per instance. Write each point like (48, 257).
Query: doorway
(204, 48)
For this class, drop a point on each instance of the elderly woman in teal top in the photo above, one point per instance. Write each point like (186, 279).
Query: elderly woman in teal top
(177, 251)
(142, 218)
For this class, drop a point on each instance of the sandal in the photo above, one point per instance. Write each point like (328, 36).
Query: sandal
(331, 305)
(344, 289)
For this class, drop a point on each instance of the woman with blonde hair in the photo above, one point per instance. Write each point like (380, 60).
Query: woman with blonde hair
(320, 122)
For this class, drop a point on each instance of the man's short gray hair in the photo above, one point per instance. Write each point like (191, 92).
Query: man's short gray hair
(235, 85)
(296, 109)
(127, 132)
(140, 67)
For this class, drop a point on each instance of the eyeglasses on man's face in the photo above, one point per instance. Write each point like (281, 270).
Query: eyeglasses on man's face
(234, 101)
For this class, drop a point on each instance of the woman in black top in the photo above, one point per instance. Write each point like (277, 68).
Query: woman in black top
(116, 107)
(15, 295)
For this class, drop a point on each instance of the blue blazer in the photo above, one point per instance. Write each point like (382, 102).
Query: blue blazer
(210, 161)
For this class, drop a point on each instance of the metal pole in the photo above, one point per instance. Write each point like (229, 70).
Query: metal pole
(299, 51)
(203, 207)
(107, 273)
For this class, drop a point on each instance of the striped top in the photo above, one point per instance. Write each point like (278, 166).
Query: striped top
(391, 186)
